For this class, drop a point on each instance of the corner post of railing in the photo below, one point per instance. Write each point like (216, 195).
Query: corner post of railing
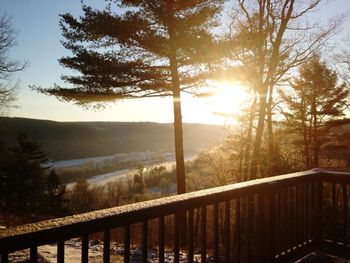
(265, 223)
(318, 206)
(4, 257)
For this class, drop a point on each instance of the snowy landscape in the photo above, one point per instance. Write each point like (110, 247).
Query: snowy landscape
(147, 160)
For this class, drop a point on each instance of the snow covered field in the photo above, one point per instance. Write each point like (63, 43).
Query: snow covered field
(148, 159)
(144, 157)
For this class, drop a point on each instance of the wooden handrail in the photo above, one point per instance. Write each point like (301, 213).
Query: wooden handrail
(52, 231)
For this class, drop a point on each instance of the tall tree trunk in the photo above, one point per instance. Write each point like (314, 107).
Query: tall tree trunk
(271, 154)
(249, 140)
(306, 136)
(315, 136)
(314, 133)
(179, 152)
(262, 91)
(264, 81)
(258, 136)
(306, 133)
(241, 159)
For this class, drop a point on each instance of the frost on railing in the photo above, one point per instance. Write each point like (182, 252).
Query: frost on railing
(264, 220)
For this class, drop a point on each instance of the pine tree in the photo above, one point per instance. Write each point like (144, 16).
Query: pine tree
(142, 49)
(27, 176)
(316, 100)
(5, 164)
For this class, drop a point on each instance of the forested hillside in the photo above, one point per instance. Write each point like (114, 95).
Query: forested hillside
(68, 140)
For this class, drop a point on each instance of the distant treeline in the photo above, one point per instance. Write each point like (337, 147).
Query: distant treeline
(69, 140)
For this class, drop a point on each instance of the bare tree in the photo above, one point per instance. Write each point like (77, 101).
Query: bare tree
(8, 66)
(267, 40)
(343, 60)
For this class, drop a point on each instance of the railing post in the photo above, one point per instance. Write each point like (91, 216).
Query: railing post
(265, 221)
(318, 214)
(4, 257)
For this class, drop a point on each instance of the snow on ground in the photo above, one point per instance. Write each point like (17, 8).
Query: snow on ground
(146, 157)
(102, 179)
(73, 253)
(79, 162)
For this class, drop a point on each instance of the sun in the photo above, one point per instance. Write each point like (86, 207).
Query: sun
(226, 102)
(228, 99)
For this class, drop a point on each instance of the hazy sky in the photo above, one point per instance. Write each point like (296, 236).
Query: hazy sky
(38, 42)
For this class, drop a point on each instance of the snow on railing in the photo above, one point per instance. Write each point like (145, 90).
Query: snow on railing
(263, 220)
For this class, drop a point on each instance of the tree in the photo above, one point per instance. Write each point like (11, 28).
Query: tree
(138, 186)
(55, 192)
(316, 99)
(80, 197)
(343, 60)
(7, 66)
(5, 165)
(267, 39)
(27, 177)
(25, 182)
(143, 49)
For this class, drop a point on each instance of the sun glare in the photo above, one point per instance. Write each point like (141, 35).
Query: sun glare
(224, 104)
(228, 99)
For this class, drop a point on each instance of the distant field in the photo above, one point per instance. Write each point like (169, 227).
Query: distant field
(73, 140)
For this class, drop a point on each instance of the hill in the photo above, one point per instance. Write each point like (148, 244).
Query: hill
(69, 140)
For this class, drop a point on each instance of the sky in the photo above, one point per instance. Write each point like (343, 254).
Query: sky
(38, 43)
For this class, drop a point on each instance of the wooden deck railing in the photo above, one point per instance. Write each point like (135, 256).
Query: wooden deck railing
(264, 220)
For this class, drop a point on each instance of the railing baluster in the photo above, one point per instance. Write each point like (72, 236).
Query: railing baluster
(60, 251)
(265, 225)
(85, 249)
(286, 220)
(250, 219)
(34, 254)
(279, 231)
(127, 244)
(295, 217)
(216, 233)
(345, 215)
(227, 231)
(334, 212)
(4, 257)
(161, 239)
(176, 238)
(190, 236)
(290, 219)
(319, 212)
(302, 216)
(106, 246)
(272, 223)
(306, 212)
(144, 244)
(300, 205)
(245, 228)
(313, 211)
(203, 234)
(238, 229)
